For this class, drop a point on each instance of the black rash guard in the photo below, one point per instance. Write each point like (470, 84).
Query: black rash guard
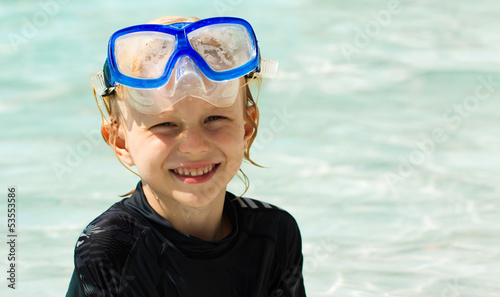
(130, 250)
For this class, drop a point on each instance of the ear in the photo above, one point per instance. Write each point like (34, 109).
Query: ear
(249, 128)
(114, 137)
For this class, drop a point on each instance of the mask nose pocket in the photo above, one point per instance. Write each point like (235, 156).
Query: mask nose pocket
(187, 76)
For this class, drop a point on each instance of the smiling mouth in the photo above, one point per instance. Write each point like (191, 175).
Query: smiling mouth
(188, 172)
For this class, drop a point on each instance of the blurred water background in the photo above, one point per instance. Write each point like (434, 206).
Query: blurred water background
(381, 135)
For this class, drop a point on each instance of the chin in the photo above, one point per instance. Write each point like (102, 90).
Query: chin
(199, 199)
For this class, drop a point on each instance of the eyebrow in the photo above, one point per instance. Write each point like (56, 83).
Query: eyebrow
(148, 119)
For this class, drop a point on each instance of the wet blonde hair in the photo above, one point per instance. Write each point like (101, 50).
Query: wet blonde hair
(114, 117)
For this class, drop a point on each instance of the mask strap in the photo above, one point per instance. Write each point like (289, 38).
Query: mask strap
(268, 68)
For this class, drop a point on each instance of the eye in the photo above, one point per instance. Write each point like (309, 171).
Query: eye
(166, 124)
(214, 118)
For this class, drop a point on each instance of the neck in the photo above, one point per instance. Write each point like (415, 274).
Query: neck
(208, 222)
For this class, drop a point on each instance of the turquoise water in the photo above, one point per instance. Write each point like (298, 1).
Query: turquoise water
(381, 135)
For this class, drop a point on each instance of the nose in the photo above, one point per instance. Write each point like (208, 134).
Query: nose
(193, 142)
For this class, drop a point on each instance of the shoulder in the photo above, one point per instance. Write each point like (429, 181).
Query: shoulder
(261, 220)
(254, 204)
(252, 207)
(110, 252)
(261, 217)
(109, 238)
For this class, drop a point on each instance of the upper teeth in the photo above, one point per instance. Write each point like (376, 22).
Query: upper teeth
(194, 171)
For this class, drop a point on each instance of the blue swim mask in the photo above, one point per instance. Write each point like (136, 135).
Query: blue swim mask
(159, 65)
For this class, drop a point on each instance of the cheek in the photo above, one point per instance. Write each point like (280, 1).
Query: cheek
(148, 149)
(231, 145)
(232, 139)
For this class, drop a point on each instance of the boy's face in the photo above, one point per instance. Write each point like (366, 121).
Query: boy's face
(188, 153)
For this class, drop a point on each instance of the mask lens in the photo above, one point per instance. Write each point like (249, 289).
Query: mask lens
(223, 46)
(144, 54)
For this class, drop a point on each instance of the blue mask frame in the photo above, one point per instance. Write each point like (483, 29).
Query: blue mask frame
(114, 77)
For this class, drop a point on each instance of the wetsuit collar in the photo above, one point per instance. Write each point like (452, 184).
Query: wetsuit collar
(184, 243)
